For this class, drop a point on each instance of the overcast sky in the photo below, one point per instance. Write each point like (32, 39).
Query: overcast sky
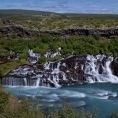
(63, 6)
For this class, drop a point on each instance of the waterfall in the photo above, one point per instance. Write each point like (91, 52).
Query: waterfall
(38, 82)
(33, 57)
(108, 62)
(51, 53)
(38, 79)
(25, 81)
(66, 71)
(94, 64)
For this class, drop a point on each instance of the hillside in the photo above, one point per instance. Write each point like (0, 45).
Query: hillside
(55, 21)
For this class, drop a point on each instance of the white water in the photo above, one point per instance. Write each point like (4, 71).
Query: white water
(51, 53)
(92, 66)
(33, 57)
(95, 69)
(25, 81)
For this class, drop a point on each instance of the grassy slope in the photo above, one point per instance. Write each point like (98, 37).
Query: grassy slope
(6, 67)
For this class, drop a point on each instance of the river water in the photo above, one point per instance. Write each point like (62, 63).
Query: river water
(104, 96)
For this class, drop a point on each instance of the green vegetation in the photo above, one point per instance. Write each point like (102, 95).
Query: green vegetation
(54, 21)
(41, 44)
(4, 97)
(7, 67)
(113, 115)
(43, 59)
(58, 21)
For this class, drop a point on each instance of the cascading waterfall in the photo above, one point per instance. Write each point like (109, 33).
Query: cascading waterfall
(38, 80)
(93, 66)
(108, 62)
(70, 70)
(33, 57)
(25, 81)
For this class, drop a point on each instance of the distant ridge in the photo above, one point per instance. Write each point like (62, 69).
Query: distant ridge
(23, 11)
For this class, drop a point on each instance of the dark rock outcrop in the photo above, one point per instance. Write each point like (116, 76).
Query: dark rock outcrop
(114, 67)
(7, 22)
(21, 31)
(18, 30)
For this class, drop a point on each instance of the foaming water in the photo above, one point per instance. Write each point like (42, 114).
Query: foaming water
(89, 95)
(73, 94)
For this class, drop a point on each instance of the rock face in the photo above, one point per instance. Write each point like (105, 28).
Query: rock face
(105, 33)
(21, 31)
(18, 30)
(66, 71)
(7, 22)
(114, 66)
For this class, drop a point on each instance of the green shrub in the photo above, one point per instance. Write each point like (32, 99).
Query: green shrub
(4, 98)
(113, 115)
(0, 35)
(46, 38)
(28, 108)
(12, 36)
(0, 75)
(25, 109)
(42, 60)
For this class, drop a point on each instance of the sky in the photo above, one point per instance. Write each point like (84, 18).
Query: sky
(64, 6)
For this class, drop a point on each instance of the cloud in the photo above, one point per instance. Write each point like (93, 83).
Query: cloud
(30, 5)
(11, 5)
(58, 5)
(55, 6)
(63, 2)
(26, 5)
